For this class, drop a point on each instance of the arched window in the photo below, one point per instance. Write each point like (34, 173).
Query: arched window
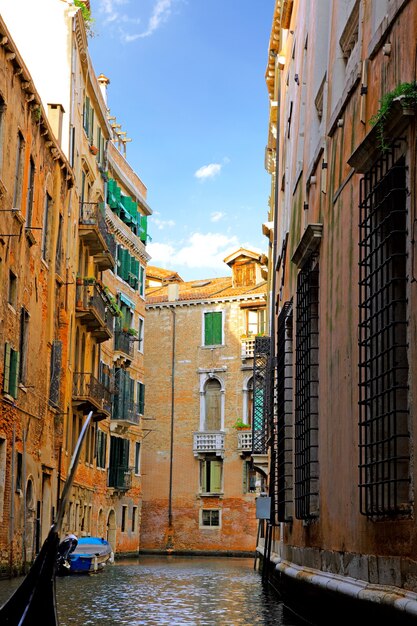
(212, 392)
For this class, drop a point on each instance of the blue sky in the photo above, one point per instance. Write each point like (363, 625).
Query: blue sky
(187, 84)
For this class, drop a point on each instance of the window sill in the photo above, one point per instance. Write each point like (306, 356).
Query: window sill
(218, 494)
(214, 345)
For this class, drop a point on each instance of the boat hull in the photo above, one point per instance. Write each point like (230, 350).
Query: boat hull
(91, 555)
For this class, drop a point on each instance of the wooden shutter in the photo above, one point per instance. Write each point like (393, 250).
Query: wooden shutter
(6, 374)
(215, 476)
(203, 476)
(213, 405)
(14, 372)
(213, 328)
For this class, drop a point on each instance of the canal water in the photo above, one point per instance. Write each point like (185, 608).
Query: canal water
(173, 590)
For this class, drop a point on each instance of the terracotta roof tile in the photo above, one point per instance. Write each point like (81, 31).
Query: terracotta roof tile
(203, 290)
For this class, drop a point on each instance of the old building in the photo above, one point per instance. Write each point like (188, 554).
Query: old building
(341, 153)
(95, 331)
(36, 186)
(199, 482)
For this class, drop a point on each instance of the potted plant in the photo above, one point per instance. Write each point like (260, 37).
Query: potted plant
(241, 425)
(94, 150)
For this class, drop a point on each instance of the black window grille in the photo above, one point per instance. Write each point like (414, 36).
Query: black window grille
(283, 444)
(306, 391)
(261, 392)
(384, 444)
(56, 371)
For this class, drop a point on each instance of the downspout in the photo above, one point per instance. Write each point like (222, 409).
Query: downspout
(11, 516)
(171, 450)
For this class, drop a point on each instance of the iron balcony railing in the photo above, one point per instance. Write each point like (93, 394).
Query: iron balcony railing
(87, 389)
(123, 342)
(93, 230)
(119, 477)
(208, 442)
(129, 413)
(93, 307)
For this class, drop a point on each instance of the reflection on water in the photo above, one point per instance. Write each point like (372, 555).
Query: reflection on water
(173, 591)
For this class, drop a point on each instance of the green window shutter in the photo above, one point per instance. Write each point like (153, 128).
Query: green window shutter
(143, 227)
(141, 398)
(141, 281)
(14, 373)
(6, 376)
(215, 476)
(91, 126)
(213, 328)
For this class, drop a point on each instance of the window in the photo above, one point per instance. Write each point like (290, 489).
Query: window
(141, 328)
(137, 458)
(255, 321)
(141, 281)
(46, 226)
(23, 344)
(384, 431)
(88, 119)
(19, 471)
(101, 449)
(306, 390)
(244, 273)
(12, 297)
(134, 518)
(11, 370)
(211, 470)
(210, 518)
(212, 405)
(2, 111)
(18, 178)
(282, 466)
(3, 459)
(213, 328)
(141, 398)
(30, 193)
(124, 517)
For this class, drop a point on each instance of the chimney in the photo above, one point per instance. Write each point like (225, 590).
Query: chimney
(103, 81)
(173, 292)
(55, 116)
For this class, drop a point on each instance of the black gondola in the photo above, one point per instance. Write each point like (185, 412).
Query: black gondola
(34, 601)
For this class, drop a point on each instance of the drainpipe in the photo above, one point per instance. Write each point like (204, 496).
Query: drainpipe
(171, 450)
(11, 517)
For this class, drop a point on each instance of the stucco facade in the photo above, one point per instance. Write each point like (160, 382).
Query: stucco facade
(342, 473)
(199, 485)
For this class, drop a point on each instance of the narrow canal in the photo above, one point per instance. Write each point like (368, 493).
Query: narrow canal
(172, 591)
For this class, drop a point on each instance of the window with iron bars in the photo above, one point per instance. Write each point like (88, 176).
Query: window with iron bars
(306, 391)
(283, 474)
(384, 441)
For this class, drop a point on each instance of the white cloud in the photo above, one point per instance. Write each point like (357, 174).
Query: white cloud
(160, 14)
(208, 171)
(161, 253)
(205, 251)
(161, 224)
(216, 216)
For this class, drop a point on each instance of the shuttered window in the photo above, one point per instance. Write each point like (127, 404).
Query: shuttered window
(212, 405)
(213, 328)
(141, 398)
(101, 448)
(211, 475)
(11, 370)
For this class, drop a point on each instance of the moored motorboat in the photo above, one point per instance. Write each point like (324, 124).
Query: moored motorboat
(90, 555)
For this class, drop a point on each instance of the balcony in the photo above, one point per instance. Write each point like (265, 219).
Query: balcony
(89, 394)
(93, 309)
(93, 231)
(244, 441)
(130, 413)
(119, 477)
(208, 443)
(247, 348)
(123, 342)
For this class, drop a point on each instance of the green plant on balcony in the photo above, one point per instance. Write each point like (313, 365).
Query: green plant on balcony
(86, 15)
(406, 93)
(116, 310)
(131, 331)
(241, 425)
